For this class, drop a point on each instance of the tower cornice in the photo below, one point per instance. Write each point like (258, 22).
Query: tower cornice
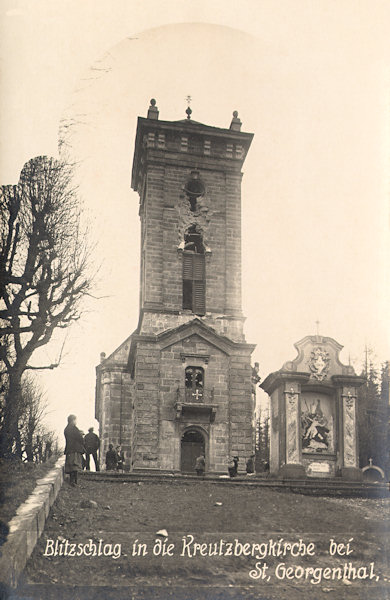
(195, 144)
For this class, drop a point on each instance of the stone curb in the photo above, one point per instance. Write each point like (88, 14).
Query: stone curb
(27, 525)
(321, 487)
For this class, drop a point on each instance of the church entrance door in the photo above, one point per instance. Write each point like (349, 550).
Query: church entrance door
(192, 446)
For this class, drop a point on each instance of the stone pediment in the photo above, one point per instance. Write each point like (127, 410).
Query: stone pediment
(197, 329)
(318, 356)
(194, 331)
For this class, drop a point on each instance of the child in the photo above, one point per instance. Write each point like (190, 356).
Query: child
(200, 465)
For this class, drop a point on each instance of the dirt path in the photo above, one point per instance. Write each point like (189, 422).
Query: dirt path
(238, 531)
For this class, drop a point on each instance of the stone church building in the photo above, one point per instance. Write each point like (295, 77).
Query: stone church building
(180, 385)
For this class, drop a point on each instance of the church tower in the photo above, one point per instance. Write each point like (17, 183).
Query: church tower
(181, 384)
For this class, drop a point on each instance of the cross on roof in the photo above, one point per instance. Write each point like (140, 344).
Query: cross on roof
(189, 109)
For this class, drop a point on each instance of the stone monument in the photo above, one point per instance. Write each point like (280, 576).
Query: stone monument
(313, 416)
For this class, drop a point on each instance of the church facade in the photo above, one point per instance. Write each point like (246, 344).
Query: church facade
(180, 385)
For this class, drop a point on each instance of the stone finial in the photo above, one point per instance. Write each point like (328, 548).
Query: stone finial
(153, 110)
(235, 125)
(188, 111)
(102, 356)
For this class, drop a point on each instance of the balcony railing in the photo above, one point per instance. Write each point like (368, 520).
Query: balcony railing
(198, 396)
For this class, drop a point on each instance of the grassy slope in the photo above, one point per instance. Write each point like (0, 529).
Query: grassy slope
(17, 481)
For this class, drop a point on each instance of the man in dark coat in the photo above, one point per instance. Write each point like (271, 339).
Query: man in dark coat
(233, 466)
(250, 465)
(111, 458)
(74, 449)
(92, 444)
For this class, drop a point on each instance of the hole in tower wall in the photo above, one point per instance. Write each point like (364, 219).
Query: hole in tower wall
(193, 240)
(194, 190)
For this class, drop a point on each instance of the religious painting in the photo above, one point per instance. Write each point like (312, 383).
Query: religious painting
(317, 423)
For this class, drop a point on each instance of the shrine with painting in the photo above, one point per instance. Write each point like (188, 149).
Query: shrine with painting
(314, 414)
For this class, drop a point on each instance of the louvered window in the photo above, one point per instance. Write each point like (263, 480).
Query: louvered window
(194, 285)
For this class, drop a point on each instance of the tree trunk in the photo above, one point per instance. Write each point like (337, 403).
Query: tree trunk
(9, 436)
(29, 448)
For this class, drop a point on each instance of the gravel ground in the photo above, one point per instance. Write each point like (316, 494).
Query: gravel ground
(126, 512)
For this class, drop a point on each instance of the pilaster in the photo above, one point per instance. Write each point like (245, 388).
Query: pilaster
(291, 400)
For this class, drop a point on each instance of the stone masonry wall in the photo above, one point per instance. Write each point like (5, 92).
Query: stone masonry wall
(154, 323)
(116, 412)
(146, 406)
(242, 407)
(166, 215)
(160, 374)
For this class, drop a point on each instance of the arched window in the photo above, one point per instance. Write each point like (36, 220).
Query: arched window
(194, 382)
(194, 272)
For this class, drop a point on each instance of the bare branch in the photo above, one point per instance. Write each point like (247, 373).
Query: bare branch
(42, 368)
(45, 269)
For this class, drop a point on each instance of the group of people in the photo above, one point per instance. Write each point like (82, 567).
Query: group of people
(115, 458)
(78, 445)
(200, 465)
(249, 465)
(80, 448)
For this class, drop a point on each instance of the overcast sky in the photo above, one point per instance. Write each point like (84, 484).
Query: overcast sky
(311, 80)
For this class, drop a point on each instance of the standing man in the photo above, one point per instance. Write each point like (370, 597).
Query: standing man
(92, 445)
(250, 465)
(121, 458)
(233, 466)
(74, 449)
(200, 465)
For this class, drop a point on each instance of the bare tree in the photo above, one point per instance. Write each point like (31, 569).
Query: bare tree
(44, 274)
(32, 412)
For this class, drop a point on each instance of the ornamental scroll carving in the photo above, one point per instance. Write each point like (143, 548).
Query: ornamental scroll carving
(349, 400)
(349, 431)
(292, 449)
(319, 363)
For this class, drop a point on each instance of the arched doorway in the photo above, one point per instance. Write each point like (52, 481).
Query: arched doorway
(192, 446)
